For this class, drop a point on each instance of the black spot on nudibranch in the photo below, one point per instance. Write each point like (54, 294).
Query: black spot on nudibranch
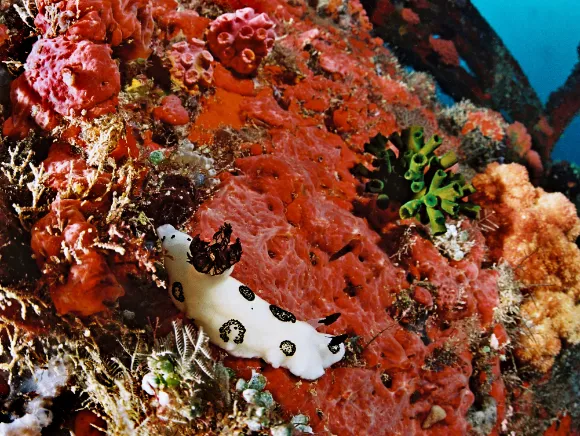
(163, 239)
(334, 348)
(338, 339)
(247, 293)
(281, 314)
(172, 236)
(177, 292)
(235, 326)
(288, 348)
(334, 344)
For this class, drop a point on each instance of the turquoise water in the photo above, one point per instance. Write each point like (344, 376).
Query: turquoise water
(543, 36)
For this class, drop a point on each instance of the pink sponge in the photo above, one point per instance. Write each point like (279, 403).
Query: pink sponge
(74, 77)
(446, 50)
(191, 64)
(240, 40)
(128, 23)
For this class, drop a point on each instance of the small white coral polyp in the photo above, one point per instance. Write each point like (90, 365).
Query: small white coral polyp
(455, 242)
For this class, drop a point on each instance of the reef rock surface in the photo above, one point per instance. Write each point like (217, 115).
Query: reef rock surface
(159, 114)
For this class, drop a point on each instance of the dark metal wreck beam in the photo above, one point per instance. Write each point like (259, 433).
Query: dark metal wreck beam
(485, 72)
(564, 104)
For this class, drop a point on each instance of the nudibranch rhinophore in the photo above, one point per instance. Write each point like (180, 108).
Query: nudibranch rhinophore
(234, 317)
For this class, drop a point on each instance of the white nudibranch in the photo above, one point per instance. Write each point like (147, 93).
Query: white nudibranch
(234, 317)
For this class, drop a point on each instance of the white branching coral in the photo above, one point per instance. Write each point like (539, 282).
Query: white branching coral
(27, 11)
(455, 243)
(16, 170)
(195, 162)
(234, 317)
(21, 173)
(100, 136)
(11, 296)
(168, 386)
(122, 201)
(510, 295)
(37, 188)
(180, 369)
(17, 344)
(47, 383)
(13, 348)
(110, 389)
(160, 388)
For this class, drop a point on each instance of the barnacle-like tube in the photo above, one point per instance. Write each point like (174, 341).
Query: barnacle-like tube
(418, 178)
(217, 257)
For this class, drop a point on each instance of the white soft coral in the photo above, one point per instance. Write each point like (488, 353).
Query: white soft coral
(48, 383)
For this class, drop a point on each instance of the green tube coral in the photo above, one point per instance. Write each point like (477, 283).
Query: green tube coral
(419, 180)
(431, 145)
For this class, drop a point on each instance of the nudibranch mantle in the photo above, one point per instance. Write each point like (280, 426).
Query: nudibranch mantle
(238, 320)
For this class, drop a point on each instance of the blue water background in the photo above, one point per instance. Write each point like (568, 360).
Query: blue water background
(543, 36)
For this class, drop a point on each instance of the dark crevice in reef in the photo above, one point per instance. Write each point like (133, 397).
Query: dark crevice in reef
(344, 250)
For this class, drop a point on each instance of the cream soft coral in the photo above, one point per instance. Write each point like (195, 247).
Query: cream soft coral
(537, 232)
(549, 316)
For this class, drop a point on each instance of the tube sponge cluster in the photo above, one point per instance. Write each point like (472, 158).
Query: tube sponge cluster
(191, 64)
(417, 178)
(240, 40)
